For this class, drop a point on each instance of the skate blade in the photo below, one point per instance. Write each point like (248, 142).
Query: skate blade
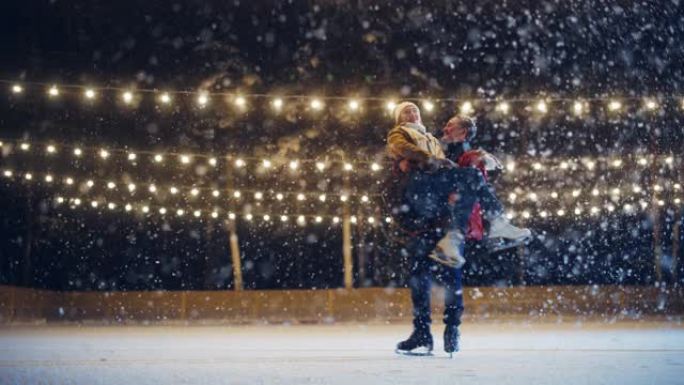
(508, 245)
(414, 353)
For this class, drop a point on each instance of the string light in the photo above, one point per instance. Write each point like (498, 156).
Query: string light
(78, 151)
(322, 197)
(128, 207)
(320, 166)
(180, 212)
(194, 192)
(131, 187)
(173, 190)
(542, 107)
(241, 102)
(17, 89)
(28, 176)
(127, 97)
(294, 164)
(145, 209)
(111, 205)
(364, 199)
(318, 219)
(239, 163)
(578, 108)
(152, 188)
(158, 158)
(300, 197)
(50, 149)
(467, 108)
(162, 210)
(642, 161)
(104, 154)
(266, 163)
(390, 106)
(428, 106)
(316, 104)
(231, 216)
(237, 194)
(90, 183)
(212, 161)
(132, 156)
(202, 99)
(258, 195)
(165, 98)
(503, 108)
(375, 167)
(216, 193)
(279, 196)
(111, 185)
(277, 104)
(77, 202)
(53, 91)
(348, 167)
(336, 220)
(94, 204)
(25, 146)
(283, 218)
(650, 104)
(344, 198)
(614, 105)
(185, 159)
(267, 217)
(247, 217)
(7, 173)
(69, 181)
(354, 105)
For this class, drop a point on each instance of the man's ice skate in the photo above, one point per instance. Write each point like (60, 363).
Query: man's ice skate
(418, 344)
(499, 227)
(449, 250)
(451, 336)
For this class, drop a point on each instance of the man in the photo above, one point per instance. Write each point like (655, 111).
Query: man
(427, 179)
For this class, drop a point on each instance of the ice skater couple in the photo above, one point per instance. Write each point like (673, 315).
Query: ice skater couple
(434, 200)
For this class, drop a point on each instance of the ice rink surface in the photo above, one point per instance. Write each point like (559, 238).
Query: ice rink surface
(350, 354)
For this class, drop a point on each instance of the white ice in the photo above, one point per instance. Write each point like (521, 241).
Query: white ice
(349, 354)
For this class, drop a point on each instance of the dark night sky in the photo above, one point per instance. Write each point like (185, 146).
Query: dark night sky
(412, 48)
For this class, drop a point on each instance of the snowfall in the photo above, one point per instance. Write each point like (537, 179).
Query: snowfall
(501, 352)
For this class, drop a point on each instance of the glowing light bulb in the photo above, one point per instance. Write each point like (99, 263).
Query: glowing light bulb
(614, 105)
(353, 219)
(595, 192)
(128, 207)
(50, 149)
(277, 104)
(301, 220)
(554, 195)
(318, 219)
(78, 151)
(240, 102)
(636, 188)
(194, 192)
(239, 163)
(594, 210)
(578, 211)
(503, 108)
(617, 163)
(510, 166)
(77, 202)
(127, 97)
(89, 94)
(294, 164)
(180, 212)
(237, 194)
(371, 220)
(131, 187)
(542, 107)
(69, 181)
(158, 158)
(320, 166)
(94, 204)
(388, 220)
(202, 99)
(344, 198)
(7, 173)
(348, 167)
(266, 163)
(375, 167)
(28, 176)
(145, 209)
(173, 190)
(267, 217)
(104, 154)
(651, 104)
(258, 195)
(322, 197)
(60, 200)
(25, 146)
(590, 165)
(214, 214)
(336, 220)
(185, 159)
(212, 161)
(162, 210)
(216, 193)
(153, 188)
(279, 196)
(578, 108)
(642, 161)
(543, 214)
(467, 108)
(354, 105)
(391, 105)
(17, 89)
(111, 185)
(165, 98)
(132, 156)
(537, 166)
(316, 104)
(300, 197)
(53, 91)
(283, 218)
(364, 199)
(231, 216)
(669, 160)
(90, 183)
(576, 193)
(111, 205)
(560, 212)
(248, 217)
(428, 106)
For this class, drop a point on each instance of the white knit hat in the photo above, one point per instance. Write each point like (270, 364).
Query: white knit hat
(400, 107)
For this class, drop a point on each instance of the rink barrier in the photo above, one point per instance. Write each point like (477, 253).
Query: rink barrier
(19, 304)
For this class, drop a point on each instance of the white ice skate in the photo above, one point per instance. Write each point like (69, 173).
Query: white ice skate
(499, 227)
(449, 250)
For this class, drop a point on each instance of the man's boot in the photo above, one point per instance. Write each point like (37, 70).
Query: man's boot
(451, 336)
(418, 344)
